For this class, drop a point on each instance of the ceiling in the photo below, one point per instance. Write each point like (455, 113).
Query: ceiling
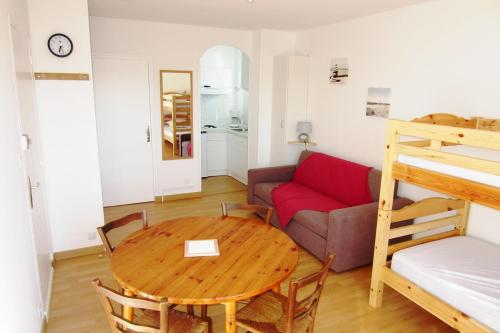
(240, 14)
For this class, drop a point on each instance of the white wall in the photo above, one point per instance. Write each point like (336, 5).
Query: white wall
(177, 82)
(67, 124)
(254, 101)
(440, 56)
(21, 298)
(167, 46)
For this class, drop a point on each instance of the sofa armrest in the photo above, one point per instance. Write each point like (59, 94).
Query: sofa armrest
(271, 174)
(351, 234)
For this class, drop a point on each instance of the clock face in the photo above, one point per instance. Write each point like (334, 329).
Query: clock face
(60, 45)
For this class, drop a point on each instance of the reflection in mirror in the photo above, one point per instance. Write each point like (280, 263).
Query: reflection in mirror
(176, 114)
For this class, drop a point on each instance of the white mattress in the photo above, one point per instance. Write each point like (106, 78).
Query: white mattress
(167, 132)
(461, 271)
(477, 176)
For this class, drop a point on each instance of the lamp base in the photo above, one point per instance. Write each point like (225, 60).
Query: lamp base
(304, 137)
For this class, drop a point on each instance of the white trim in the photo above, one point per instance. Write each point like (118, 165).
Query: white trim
(242, 180)
(49, 291)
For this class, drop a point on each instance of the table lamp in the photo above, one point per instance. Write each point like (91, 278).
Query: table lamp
(304, 128)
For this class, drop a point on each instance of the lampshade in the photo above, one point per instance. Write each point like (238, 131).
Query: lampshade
(304, 127)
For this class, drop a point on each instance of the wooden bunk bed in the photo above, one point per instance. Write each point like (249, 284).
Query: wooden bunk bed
(177, 121)
(435, 132)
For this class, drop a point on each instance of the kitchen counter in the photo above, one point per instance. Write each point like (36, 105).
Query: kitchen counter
(243, 134)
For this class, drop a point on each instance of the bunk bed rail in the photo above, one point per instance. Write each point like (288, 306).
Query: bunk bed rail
(438, 136)
(459, 210)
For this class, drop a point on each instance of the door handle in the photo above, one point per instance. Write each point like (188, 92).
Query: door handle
(25, 142)
(30, 192)
(32, 187)
(148, 135)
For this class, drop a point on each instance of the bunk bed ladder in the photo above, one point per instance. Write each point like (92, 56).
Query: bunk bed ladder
(384, 218)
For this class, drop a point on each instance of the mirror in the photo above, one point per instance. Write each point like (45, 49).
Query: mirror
(176, 114)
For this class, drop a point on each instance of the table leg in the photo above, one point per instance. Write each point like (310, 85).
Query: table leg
(230, 317)
(277, 289)
(128, 312)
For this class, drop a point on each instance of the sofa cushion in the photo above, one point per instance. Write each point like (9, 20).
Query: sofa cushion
(314, 221)
(342, 180)
(263, 190)
(291, 197)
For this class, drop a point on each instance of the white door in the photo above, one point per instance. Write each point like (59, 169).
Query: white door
(121, 88)
(32, 160)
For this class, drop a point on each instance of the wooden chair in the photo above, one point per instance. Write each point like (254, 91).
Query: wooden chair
(267, 212)
(272, 312)
(105, 229)
(152, 317)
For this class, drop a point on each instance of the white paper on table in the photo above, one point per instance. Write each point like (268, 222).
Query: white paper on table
(201, 248)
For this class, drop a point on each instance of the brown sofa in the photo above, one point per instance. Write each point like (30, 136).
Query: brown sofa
(349, 232)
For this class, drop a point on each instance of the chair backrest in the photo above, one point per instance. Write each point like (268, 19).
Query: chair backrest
(118, 322)
(103, 231)
(305, 309)
(267, 212)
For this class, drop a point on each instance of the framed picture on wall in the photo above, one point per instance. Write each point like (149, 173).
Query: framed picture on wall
(378, 102)
(339, 70)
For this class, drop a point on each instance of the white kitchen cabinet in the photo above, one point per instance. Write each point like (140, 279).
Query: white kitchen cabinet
(227, 154)
(290, 79)
(217, 153)
(237, 157)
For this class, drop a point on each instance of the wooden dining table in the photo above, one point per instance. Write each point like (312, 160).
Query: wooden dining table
(254, 258)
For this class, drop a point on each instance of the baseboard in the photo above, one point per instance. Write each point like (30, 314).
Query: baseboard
(43, 328)
(49, 294)
(218, 172)
(78, 252)
(238, 178)
(173, 197)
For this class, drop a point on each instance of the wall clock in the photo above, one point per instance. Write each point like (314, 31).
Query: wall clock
(60, 45)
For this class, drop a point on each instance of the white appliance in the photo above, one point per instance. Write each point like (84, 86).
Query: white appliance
(204, 165)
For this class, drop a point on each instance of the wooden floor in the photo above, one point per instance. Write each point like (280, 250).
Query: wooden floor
(344, 307)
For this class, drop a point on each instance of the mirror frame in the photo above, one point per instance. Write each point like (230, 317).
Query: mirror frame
(162, 71)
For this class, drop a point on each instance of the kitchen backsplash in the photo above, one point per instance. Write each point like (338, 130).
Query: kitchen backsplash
(219, 109)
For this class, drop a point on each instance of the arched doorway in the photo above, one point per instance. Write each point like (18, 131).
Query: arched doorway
(224, 94)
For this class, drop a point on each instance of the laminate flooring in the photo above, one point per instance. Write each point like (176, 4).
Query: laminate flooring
(343, 308)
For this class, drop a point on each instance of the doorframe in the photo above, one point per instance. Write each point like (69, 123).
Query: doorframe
(250, 125)
(154, 132)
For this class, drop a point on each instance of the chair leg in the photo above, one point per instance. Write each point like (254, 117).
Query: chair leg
(204, 316)
(204, 311)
